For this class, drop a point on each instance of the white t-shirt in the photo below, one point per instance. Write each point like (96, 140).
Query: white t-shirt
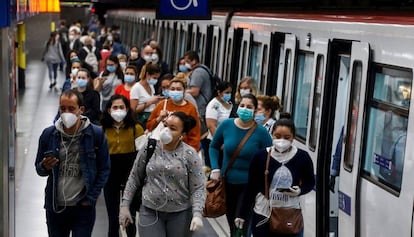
(139, 93)
(216, 110)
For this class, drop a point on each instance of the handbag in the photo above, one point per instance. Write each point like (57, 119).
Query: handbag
(215, 205)
(283, 220)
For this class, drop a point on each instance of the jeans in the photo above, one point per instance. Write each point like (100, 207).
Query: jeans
(78, 219)
(164, 224)
(52, 70)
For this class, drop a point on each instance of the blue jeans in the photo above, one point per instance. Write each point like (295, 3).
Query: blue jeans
(52, 70)
(161, 224)
(78, 219)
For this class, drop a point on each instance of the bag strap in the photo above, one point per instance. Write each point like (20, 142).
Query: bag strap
(239, 147)
(266, 174)
(165, 104)
(152, 143)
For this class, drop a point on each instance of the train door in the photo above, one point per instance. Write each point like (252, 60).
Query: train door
(245, 54)
(259, 59)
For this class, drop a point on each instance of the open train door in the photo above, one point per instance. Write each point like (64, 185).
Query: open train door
(350, 177)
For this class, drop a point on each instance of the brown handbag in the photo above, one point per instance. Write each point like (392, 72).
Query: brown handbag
(216, 191)
(282, 220)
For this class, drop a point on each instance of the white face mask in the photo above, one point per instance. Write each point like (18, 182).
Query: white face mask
(244, 92)
(75, 72)
(281, 145)
(123, 65)
(166, 136)
(134, 54)
(147, 58)
(118, 115)
(69, 119)
(154, 58)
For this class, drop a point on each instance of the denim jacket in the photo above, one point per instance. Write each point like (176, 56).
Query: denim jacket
(94, 163)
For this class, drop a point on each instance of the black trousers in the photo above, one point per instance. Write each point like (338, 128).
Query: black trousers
(234, 199)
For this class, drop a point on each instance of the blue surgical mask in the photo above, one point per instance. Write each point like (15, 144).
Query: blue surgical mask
(109, 38)
(129, 78)
(176, 96)
(74, 59)
(182, 68)
(227, 97)
(259, 118)
(245, 114)
(82, 83)
(165, 93)
(111, 68)
(152, 81)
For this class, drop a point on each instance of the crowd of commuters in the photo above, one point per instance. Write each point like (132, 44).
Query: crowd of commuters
(112, 96)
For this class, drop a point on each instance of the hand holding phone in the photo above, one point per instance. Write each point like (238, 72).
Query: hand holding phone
(49, 160)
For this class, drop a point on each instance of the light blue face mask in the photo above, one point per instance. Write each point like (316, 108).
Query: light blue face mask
(152, 81)
(176, 96)
(129, 78)
(227, 97)
(259, 118)
(245, 114)
(182, 68)
(165, 93)
(82, 83)
(111, 68)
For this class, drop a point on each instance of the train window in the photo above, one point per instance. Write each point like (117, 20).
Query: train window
(265, 60)
(303, 83)
(243, 59)
(316, 102)
(353, 116)
(254, 67)
(388, 111)
(288, 61)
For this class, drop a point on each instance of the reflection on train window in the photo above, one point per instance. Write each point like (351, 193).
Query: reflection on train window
(254, 67)
(303, 85)
(350, 143)
(243, 59)
(387, 126)
(316, 102)
(287, 74)
(265, 63)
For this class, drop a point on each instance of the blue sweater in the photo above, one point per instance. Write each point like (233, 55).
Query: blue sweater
(229, 135)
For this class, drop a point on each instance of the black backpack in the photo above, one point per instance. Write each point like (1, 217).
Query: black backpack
(215, 80)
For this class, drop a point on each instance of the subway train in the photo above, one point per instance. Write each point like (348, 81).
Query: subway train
(345, 78)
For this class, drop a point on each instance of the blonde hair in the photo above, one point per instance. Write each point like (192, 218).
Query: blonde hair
(122, 56)
(180, 78)
(250, 81)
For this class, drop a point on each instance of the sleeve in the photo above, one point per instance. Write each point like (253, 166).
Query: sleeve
(267, 139)
(152, 120)
(193, 136)
(215, 145)
(212, 110)
(308, 178)
(139, 131)
(134, 92)
(42, 148)
(118, 89)
(197, 180)
(196, 79)
(137, 173)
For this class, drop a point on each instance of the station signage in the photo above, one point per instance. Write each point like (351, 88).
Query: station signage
(184, 10)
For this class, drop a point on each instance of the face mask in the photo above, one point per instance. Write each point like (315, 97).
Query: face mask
(165, 93)
(111, 68)
(118, 115)
(281, 145)
(259, 118)
(166, 136)
(74, 59)
(154, 58)
(68, 119)
(81, 83)
(152, 81)
(227, 97)
(75, 72)
(176, 96)
(134, 54)
(245, 114)
(71, 37)
(182, 68)
(109, 38)
(244, 92)
(129, 78)
(188, 66)
(122, 64)
(147, 58)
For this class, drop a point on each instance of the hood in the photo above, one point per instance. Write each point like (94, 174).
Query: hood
(85, 123)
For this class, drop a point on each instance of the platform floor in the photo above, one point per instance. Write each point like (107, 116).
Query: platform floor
(36, 107)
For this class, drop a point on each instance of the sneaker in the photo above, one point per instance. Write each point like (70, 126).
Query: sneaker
(54, 83)
(50, 85)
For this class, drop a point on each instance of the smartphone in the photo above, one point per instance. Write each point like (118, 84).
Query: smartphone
(49, 153)
(283, 189)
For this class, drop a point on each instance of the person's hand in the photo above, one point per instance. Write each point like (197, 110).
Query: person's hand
(196, 223)
(215, 174)
(125, 217)
(239, 222)
(293, 191)
(163, 115)
(49, 162)
(332, 183)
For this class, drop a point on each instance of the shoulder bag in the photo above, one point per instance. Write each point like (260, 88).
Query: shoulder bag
(216, 192)
(283, 220)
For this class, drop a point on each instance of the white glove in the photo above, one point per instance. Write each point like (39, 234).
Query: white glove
(239, 222)
(215, 174)
(125, 217)
(294, 191)
(196, 224)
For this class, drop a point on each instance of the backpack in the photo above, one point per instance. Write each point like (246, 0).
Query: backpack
(215, 80)
(91, 58)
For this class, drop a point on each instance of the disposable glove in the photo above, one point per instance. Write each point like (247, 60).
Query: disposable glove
(239, 222)
(196, 223)
(215, 174)
(332, 183)
(294, 191)
(125, 217)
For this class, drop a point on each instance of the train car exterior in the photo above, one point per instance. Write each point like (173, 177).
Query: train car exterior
(347, 75)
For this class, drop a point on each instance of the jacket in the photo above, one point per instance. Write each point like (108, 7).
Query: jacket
(94, 163)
